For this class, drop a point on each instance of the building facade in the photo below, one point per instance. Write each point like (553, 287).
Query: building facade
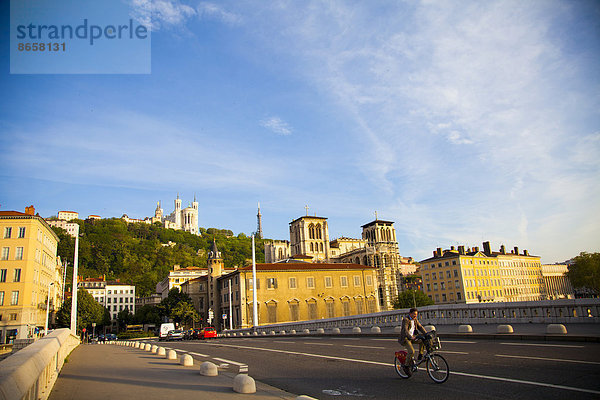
(181, 218)
(113, 295)
(29, 271)
(462, 275)
(309, 236)
(557, 283)
(177, 277)
(68, 215)
(72, 228)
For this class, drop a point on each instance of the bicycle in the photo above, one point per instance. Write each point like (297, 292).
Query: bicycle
(437, 366)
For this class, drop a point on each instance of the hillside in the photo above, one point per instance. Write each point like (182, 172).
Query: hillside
(143, 254)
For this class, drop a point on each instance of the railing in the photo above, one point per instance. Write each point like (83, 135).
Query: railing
(30, 373)
(564, 311)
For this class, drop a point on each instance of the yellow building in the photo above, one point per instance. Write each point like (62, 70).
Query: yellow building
(28, 266)
(472, 276)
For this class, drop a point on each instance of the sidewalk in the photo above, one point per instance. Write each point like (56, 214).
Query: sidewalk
(105, 371)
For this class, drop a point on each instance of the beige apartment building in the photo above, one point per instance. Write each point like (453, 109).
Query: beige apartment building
(472, 276)
(29, 270)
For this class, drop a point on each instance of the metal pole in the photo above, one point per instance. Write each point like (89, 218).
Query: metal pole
(255, 301)
(230, 307)
(47, 309)
(74, 289)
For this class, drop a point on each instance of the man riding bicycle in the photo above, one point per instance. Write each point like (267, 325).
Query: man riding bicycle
(410, 324)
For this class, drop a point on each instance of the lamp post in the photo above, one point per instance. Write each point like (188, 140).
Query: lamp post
(47, 309)
(74, 289)
(254, 302)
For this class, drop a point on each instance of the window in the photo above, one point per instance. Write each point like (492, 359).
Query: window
(434, 285)
(357, 280)
(17, 276)
(19, 254)
(13, 317)
(5, 253)
(455, 273)
(14, 299)
(346, 308)
(330, 309)
(359, 306)
(108, 300)
(443, 296)
(294, 314)
(109, 292)
(21, 232)
(292, 281)
(312, 310)
(369, 280)
(250, 284)
(344, 281)
(272, 312)
(458, 297)
(328, 282)
(310, 283)
(2, 275)
(271, 283)
(114, 308)
(7, 232)
(1, 298)
(448, 275)
(442, 285)
(429, 287)
(120, 300)
(433, 276)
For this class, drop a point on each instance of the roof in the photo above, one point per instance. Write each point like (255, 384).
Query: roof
(305, 266)
(8, 214)
(377, 221)
(307, 216)
(12, 214)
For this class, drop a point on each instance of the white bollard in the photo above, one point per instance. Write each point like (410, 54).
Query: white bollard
(336, 331)
(161, 351)
(272, 333)
(305, 397)
(154, 348)
(556, 329)
(429, 328)
(505, 329)
(263, 333)
(148, 347)
(243, 383)
(293, 332)
(307, 331)
(171, 355)
(465, 329)
(320, 331)
(376, 329)
(208, 369)
(356, 329)
(187, 360)
(282, 332)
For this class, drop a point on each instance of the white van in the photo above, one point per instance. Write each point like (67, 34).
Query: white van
(164, 329)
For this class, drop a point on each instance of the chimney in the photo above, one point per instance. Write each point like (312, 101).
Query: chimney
(486, 248)
(452, 248)
(516, 251)
(525, 252)
(502, 249)
(176, 267)
(475, 249)
(30, 210)
(439, 251)
(461, 250)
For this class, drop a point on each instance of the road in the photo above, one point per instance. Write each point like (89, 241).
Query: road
(347, 368)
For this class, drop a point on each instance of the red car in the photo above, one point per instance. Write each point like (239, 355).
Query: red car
(207, 333)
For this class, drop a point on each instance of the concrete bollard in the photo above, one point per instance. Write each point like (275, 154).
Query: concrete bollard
(263, 333)
(429, 328)
(255, 333)
(137, 345)
(293, 332)
(282, 332)
(243, 383)
(171, 355)
(397, 329)
(376, 329)
(336, 331)
(505, 329)
(208, 369)
(272, 333)
(187, 360)
(161, 351)
(556, 329)
(356, 329)
(154, 348)
(304, 397)
(307, 331)
(465, 329)
(148, 347)
(320, 331)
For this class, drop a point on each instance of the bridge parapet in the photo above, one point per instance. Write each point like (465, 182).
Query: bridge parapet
(30, 373)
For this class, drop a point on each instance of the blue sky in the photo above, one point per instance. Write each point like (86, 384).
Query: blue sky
(461, 121)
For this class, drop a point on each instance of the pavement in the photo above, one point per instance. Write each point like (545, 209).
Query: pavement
(108, 371)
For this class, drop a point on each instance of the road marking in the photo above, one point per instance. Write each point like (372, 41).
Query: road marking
(198, 354)
(496, 378)
(364, 347)
(320, 344)
(451, 352)
(229, 362)
(458, 341)
(550, 359)
(386, 340)
(544, 345)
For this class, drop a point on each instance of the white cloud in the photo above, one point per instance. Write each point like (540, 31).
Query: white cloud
(157, 14)
(211, 10)
(276, 125)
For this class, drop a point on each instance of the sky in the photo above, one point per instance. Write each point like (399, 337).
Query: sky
(462, 122)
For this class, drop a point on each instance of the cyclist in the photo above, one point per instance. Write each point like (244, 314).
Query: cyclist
(410, 324)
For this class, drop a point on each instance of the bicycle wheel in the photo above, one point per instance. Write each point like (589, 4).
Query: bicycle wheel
(399, 370)
(437, 368)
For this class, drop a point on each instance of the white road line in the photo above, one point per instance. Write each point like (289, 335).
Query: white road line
(458, 341)
(320, 344)
(198, 354)
(364, 347)
(550, 359)
(230, 362)
(386, 340)
(451, 352)
(495, 378)
(544, 345)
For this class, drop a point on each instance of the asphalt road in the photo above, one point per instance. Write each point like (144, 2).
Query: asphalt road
(347, 368)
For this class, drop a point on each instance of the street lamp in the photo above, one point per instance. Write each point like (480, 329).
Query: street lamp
(74, 289)
(47, 309)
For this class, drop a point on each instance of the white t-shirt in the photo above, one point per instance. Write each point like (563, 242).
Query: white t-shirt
(411, 331)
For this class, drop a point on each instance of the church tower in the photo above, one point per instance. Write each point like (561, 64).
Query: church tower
(309, 236)
(158, 213)
(215, 270)
(259, 232)
(177, 212)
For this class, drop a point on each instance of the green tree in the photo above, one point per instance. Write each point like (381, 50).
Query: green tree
(124, 318)
(88, 311)
(585, 271)
(406, 299)
(147, 314)
(185, 313)
(168, 304)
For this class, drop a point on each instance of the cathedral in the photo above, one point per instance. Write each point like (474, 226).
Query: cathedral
(185, 219)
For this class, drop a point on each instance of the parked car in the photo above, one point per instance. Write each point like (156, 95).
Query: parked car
(164, 330)
(176, 334)
(196, 333)
(208, 333)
